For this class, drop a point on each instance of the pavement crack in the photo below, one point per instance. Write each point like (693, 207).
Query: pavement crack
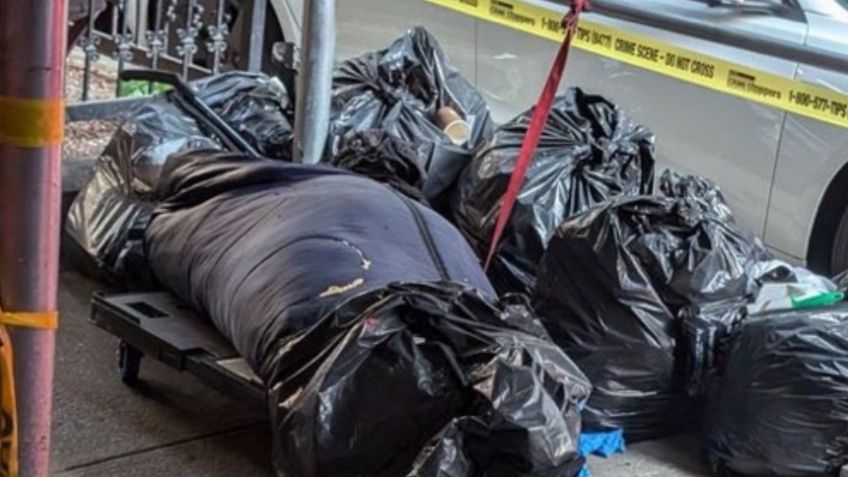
(179, 442)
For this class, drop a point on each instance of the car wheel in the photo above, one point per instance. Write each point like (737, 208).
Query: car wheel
(839, 254)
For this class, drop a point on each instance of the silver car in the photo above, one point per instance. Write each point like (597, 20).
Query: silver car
(785, 175)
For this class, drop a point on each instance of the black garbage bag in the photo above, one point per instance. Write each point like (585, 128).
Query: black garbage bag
(384, 158)
(470, 395)
(107, 220)
(589, 152)
(706, 331)
(257, 106)
(697, 190)
(611, 289)
(399, 91)
(708, 328)
(295, 265)
(782, 408)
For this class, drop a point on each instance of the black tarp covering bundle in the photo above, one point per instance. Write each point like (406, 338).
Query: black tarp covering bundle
(115, 204)
(399, 91)
(589, 152)
(782, 408)
(295, 265)
(611, 290)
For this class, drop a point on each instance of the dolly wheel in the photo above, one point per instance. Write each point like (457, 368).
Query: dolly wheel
(129, 362)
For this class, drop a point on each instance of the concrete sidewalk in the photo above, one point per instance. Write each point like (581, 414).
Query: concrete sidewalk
(174, 425)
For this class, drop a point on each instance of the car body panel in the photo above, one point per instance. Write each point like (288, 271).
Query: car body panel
(811, 152)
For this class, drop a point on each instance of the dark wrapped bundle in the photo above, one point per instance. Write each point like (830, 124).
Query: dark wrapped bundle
(589, 152)
(113, 208)
(405, 91)
(782, 408)
(297, 266)
(611, 290)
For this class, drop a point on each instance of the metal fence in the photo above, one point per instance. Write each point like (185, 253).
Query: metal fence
(193, 38)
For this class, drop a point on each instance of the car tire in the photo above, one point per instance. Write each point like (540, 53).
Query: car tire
(839, 253)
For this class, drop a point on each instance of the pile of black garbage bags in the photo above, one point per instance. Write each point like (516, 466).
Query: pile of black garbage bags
(354, 288)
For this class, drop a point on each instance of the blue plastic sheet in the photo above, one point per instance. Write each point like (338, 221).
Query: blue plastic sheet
(603, 444)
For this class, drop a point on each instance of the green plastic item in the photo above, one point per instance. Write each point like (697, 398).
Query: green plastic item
(135, 88)
(818, 301)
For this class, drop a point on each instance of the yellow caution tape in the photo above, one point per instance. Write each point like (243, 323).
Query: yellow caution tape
(31, 122)
(8, 410)
(638, 50)
(38, 320)
(9, 466)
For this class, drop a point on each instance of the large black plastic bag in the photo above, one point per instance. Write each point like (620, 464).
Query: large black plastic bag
(610, 291)
(398, 91)
(782, 409)
(706, 331)
(589, 152)
(256, 106)
(430, 381)
(384, 158)
(709, 328)
(115, 204)
(294, 265)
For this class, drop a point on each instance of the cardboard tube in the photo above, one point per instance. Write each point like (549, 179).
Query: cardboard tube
(452, 124)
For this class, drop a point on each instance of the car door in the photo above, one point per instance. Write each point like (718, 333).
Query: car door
(728, 139)
(813, 156)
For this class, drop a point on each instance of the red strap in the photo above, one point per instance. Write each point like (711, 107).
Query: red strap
(537, 124)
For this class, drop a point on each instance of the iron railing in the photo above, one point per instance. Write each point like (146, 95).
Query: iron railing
(192, 38)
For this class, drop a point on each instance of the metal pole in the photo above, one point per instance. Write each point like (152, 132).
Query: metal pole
(315, 81)
(33, 37)
(256, 37)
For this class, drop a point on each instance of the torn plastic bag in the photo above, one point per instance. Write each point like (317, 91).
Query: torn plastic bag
(294, 265)
(589, 152)
(401, 91)
(783, 286)
(471, 396)
(782, 409)
(708, 328)
(610, 290)
(107, 219)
